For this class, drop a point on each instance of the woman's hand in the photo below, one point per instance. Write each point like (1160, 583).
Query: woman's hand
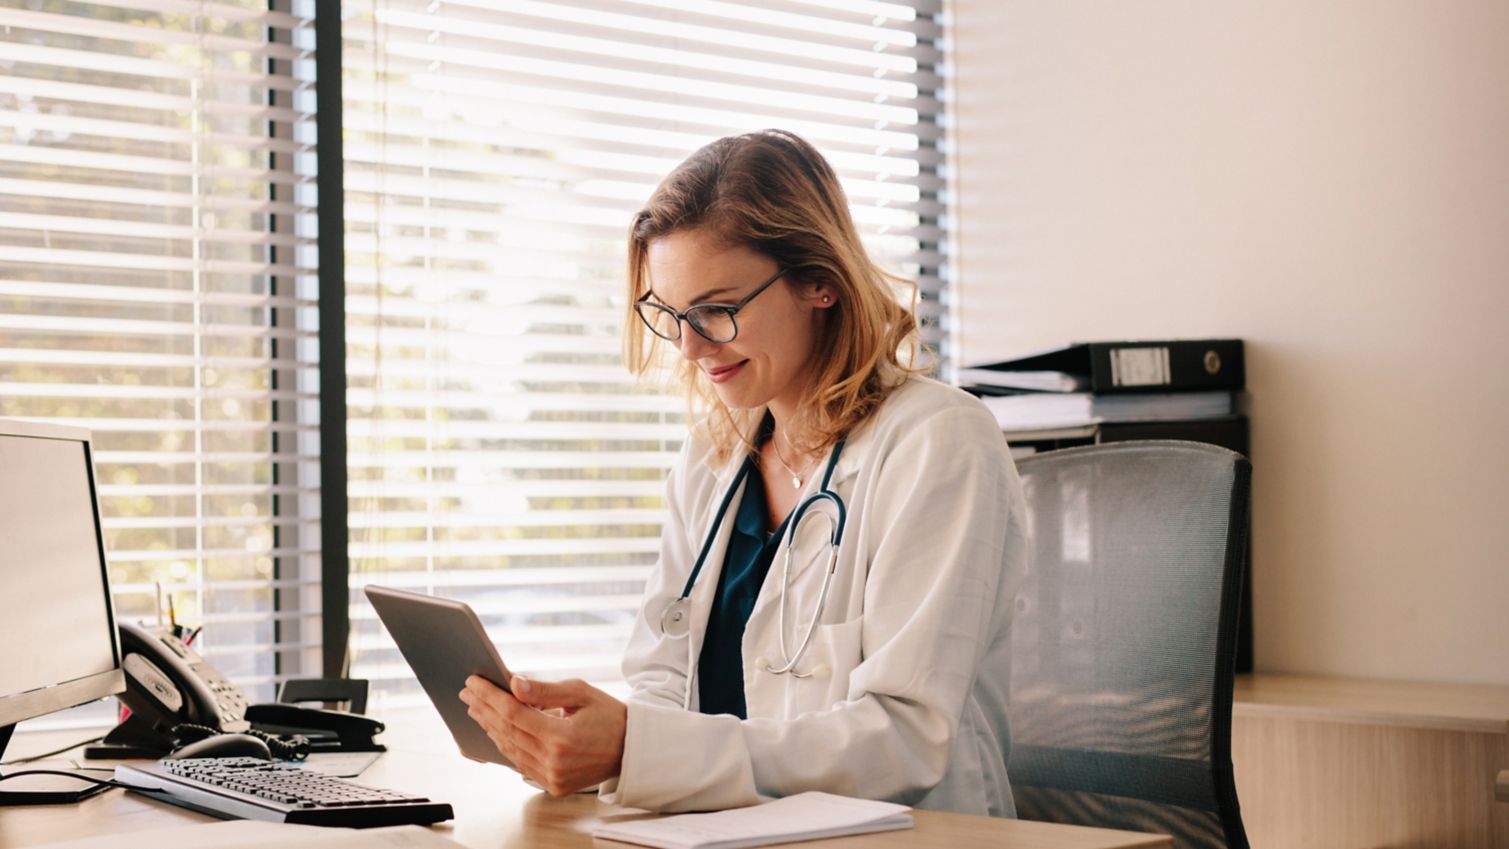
(563, 735)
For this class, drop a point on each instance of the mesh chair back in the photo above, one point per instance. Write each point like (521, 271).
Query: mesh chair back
(1124, 639)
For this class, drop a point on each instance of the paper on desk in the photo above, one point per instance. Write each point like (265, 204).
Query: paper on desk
(253, 834)
(805, 816)
(340, 764)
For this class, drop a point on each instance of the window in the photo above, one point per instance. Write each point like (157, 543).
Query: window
(499, 452)
(157, 285)
(156, 288)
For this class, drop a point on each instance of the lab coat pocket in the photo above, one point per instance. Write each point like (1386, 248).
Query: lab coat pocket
(833, 654)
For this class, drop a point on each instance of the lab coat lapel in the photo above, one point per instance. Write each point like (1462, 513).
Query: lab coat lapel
(854, 457)
(706, 587)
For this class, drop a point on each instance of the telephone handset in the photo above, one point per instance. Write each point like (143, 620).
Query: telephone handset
(176, 696)
(169, 682)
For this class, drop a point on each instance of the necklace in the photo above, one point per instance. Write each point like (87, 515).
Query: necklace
(796, 478)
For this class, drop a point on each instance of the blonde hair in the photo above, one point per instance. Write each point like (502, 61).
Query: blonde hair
(773, 192)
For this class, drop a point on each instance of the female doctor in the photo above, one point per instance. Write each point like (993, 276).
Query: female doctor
(832, 605)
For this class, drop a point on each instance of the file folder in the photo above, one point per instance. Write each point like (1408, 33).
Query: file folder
(1112, 367)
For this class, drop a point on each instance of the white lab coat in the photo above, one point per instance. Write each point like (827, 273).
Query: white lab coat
(908, 702)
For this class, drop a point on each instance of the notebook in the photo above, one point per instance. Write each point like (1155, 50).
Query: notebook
(805, 816)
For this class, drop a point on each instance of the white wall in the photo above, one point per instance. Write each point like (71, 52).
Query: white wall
(1327, 180)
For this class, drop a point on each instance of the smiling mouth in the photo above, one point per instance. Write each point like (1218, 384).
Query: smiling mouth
(722, 373)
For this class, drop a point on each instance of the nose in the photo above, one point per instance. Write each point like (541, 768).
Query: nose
(693, 345)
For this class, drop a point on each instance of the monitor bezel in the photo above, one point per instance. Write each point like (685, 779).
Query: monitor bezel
(15, 707)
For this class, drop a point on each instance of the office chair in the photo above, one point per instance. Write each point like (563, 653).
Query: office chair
(1124, 640)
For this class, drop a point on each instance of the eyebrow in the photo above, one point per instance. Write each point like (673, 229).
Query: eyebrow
(700, 299)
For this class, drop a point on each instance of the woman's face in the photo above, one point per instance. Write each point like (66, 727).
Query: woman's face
(767, 362)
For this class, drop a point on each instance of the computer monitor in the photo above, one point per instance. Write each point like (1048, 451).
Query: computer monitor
(57, 624)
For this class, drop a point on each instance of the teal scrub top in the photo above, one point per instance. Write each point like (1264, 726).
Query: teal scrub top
(751, 550)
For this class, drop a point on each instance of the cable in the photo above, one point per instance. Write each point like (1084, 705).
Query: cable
(108, 782)
(28, 760)
(292, 748)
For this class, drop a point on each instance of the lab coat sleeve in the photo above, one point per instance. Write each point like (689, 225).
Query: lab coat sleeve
(935, 539)
(654, 668)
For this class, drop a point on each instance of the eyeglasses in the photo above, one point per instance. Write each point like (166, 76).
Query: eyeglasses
(713, 322)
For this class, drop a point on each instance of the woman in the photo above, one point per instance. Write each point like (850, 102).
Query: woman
(747, 261)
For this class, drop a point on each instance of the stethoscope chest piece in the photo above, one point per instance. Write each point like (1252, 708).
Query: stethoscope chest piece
(676, 620)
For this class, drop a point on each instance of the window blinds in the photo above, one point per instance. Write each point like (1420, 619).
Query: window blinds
(156, 287)
(499, 453)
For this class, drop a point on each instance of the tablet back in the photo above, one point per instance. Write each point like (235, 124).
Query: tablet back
(444, 642)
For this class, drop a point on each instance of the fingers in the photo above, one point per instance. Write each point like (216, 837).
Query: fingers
(569, 695)
(515, 745)
(574, 741)
(498, 711)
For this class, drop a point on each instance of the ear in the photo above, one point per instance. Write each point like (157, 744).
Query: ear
(822, 296)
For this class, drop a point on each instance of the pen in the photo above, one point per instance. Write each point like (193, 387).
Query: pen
(173, 617)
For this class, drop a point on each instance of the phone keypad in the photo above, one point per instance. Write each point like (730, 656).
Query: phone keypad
(228, 698)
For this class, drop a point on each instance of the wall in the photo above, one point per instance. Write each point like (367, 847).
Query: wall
(1329, 181)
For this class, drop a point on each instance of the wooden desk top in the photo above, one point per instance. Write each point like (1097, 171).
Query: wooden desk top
(1447, 707)
(495, 808)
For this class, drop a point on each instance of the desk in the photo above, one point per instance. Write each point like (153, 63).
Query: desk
(1333, 763)
(495, 808)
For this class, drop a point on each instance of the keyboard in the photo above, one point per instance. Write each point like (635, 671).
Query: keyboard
(254, 789)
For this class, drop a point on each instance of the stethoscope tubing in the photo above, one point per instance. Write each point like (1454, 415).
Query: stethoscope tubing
(712, 535)
(673, 621)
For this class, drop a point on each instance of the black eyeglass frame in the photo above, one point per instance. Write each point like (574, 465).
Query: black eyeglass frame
(731, 310)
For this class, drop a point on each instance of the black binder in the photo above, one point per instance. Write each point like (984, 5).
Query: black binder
(1154, 366)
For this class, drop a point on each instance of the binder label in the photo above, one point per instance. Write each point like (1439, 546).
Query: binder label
(1140, 367)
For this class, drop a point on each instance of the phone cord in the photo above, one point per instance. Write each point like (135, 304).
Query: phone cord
(294, 747)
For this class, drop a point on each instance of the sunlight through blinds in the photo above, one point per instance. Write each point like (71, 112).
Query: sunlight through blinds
(499, 452)
(157, 287)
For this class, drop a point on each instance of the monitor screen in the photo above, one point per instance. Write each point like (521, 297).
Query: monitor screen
(55, 613)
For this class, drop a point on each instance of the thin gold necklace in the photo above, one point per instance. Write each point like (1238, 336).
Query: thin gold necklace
(796, 477)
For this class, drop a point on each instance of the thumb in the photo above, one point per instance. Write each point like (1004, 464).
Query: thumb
(549, 694)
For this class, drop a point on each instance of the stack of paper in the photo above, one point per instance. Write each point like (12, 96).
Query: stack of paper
(1037, 381)
(1035, 410)
(805, 816)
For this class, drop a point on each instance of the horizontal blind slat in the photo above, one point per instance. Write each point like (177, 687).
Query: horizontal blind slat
(145, 198)
(140, 165)
(79, 25)
(110, 129)
(115, 63)
(146, 294)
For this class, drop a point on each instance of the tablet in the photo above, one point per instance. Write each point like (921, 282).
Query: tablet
(444, 642)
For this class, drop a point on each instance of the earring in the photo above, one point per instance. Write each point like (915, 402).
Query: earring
(826, 299)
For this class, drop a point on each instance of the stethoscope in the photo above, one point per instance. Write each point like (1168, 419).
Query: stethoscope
(675, 620)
